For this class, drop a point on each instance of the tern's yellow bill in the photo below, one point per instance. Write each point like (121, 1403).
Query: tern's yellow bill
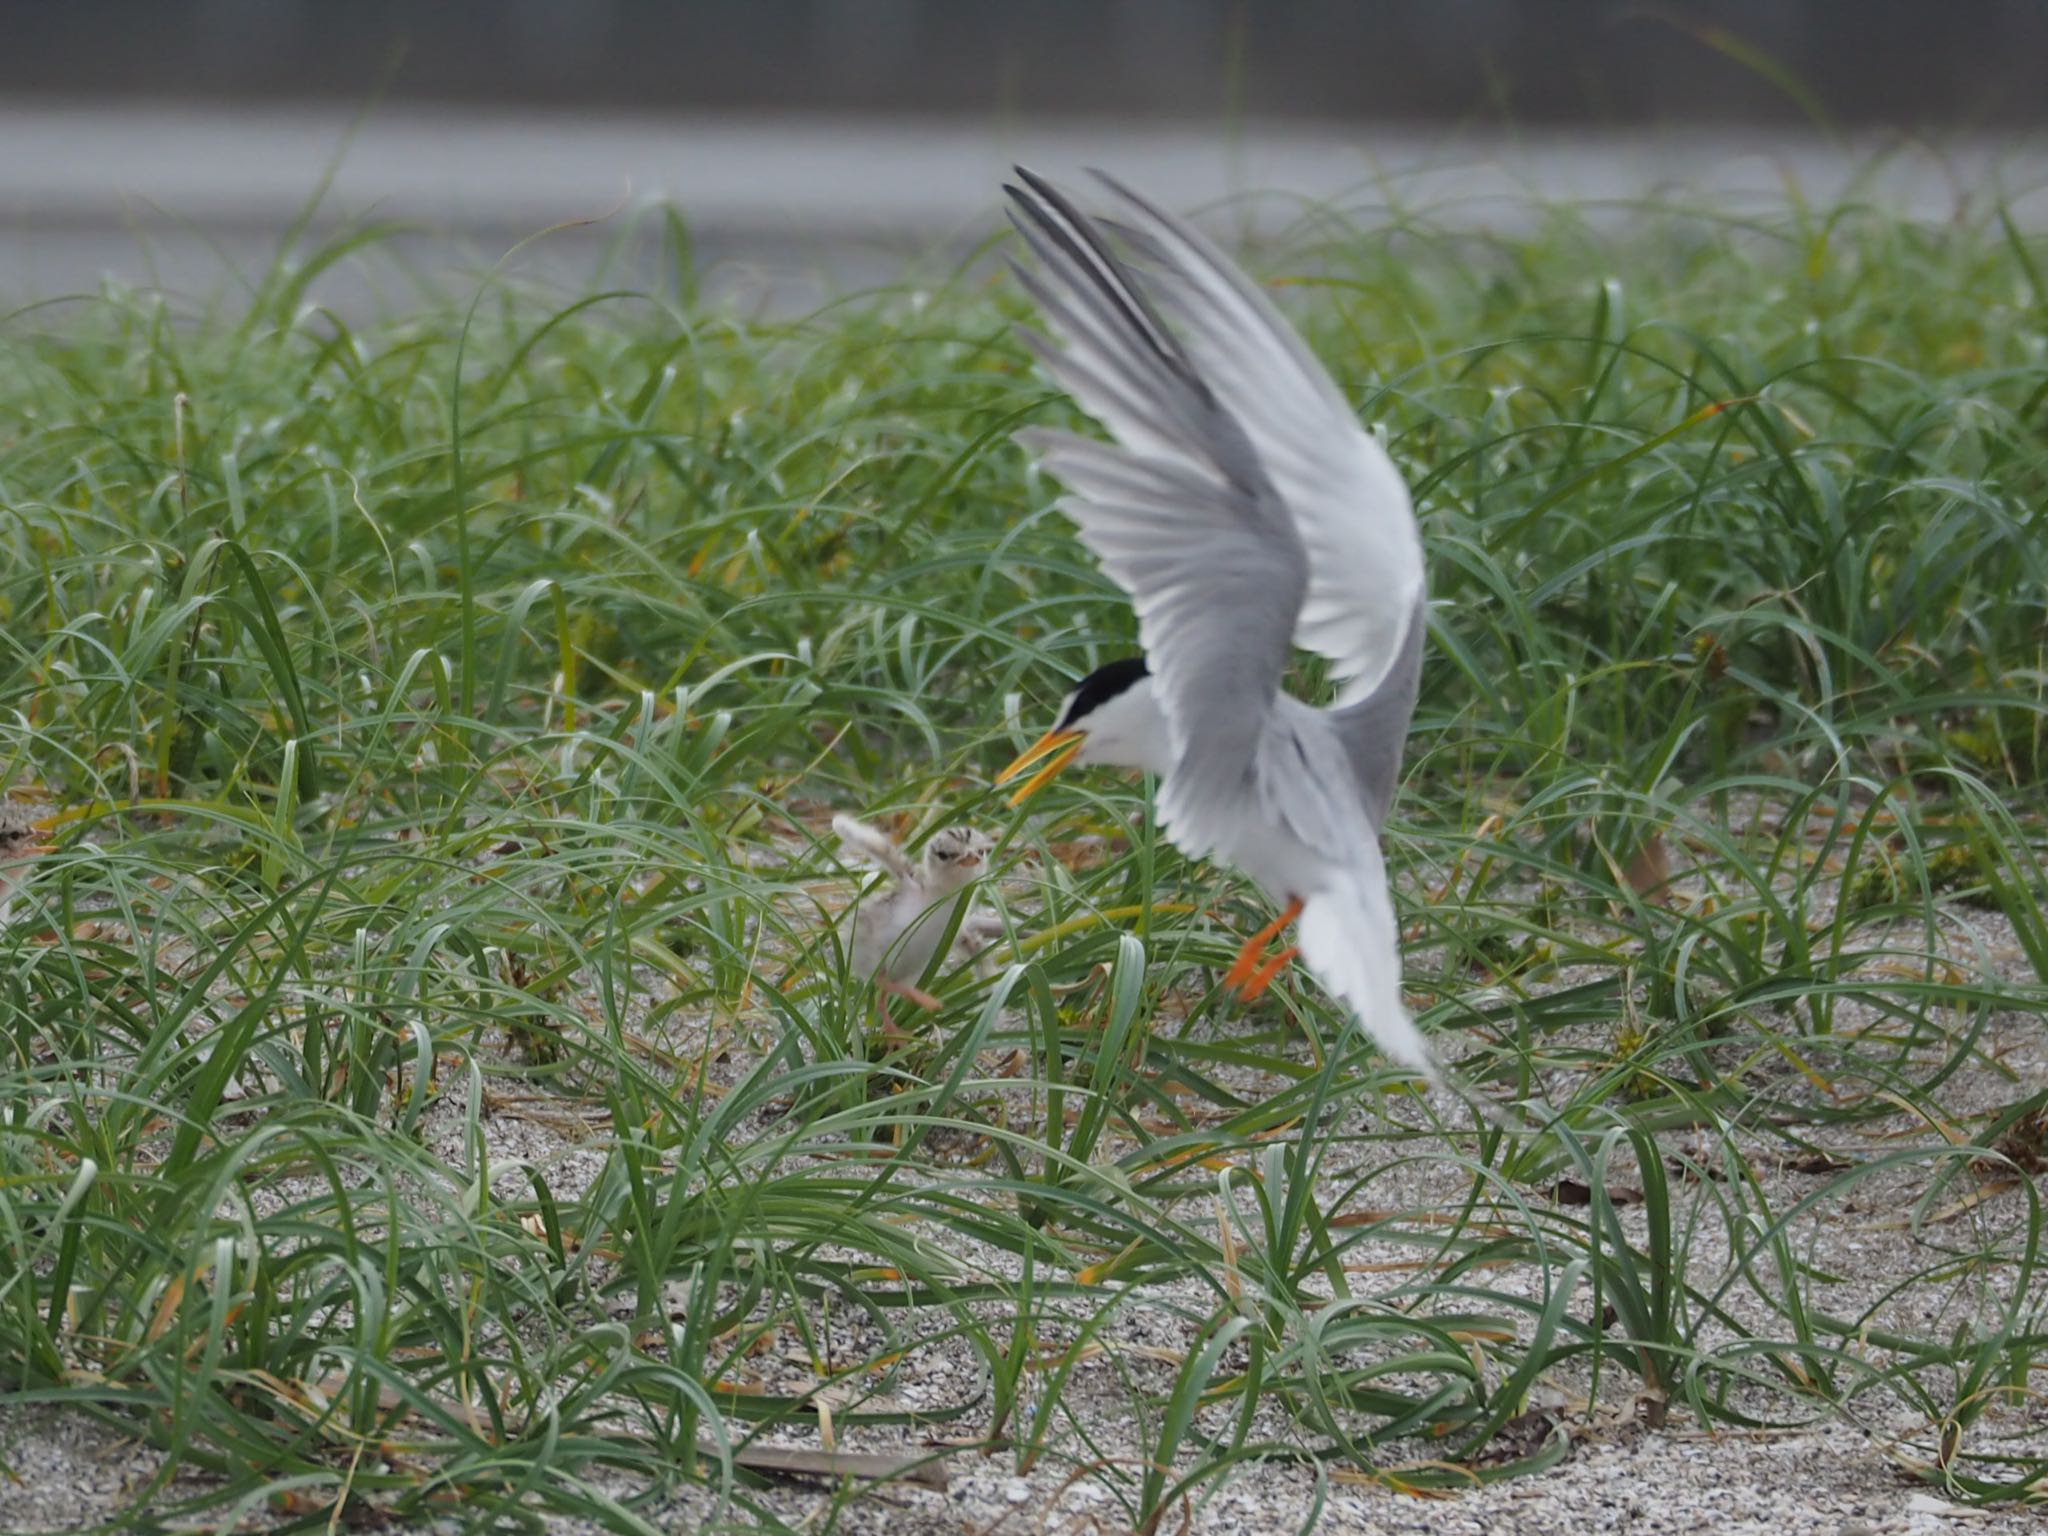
(1057, 748)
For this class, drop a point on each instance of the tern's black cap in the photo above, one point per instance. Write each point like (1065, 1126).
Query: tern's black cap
(1100, 686)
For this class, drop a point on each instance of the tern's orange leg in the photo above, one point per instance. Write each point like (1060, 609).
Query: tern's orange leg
(1247, 964)
(1262, 978)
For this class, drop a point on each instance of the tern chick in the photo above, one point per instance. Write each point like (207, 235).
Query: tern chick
(898, 930)
(22, 832)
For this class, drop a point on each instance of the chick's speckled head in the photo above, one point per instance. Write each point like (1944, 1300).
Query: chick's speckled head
(24, 830)
(22, 827)
(955, 855)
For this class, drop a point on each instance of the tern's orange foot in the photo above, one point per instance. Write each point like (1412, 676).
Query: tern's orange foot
(1262, 978)
(1250, 960)
(1247, 961)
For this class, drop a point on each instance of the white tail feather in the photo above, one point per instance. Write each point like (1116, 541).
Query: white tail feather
(1349, 938)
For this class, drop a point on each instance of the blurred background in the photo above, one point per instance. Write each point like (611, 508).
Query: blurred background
(818, 142)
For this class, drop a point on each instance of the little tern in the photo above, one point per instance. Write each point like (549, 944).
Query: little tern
(896, 934)
(1246, 512)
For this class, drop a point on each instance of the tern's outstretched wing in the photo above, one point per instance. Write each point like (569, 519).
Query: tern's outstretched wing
(1347, 499)
(1179, 511)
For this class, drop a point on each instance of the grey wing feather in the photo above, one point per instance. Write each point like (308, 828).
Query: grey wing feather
(1374, 729)
(1302, 782)
(1179, 511)
(1348, 501)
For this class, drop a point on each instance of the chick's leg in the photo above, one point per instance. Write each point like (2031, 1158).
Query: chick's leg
(1249, 975)
(892, 1032)
(904, 989)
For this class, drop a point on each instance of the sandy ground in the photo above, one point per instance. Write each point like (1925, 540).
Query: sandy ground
(1827, 1482)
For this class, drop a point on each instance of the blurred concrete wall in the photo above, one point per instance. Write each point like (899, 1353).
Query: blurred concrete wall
(1960, 63)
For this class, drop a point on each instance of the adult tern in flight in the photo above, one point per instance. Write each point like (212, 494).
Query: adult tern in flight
(1246, 512)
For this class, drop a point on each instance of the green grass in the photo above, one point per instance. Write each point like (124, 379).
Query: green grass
(457, 702)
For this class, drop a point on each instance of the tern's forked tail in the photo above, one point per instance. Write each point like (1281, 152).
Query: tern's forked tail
(1348, 937)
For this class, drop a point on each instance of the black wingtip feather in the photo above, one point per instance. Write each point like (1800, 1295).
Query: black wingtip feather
(1079, 238)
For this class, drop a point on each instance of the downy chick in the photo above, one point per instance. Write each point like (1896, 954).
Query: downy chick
(22, 830)
(898, 929)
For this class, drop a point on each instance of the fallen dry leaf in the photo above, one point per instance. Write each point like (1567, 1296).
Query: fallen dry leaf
(1949, 1212)
(1816, 1162)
